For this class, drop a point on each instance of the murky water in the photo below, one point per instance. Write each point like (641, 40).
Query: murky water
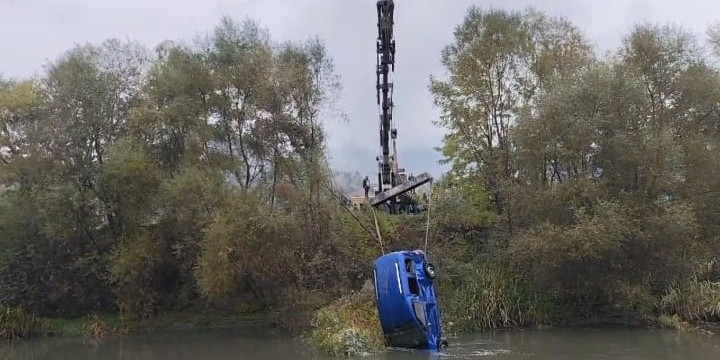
(262, 344)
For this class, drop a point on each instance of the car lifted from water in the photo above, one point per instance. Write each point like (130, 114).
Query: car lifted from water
(405, 295)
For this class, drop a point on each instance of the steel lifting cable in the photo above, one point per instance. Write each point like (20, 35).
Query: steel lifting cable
(330, 188)
(427, 224)
(377, 230)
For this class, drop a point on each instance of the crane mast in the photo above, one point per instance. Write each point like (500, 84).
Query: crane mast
(392, 188)
(387, 164)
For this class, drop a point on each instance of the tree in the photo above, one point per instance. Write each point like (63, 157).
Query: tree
(172, 116)
(500, 65)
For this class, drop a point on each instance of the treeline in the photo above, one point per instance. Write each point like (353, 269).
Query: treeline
(194, 175)
(588, 186)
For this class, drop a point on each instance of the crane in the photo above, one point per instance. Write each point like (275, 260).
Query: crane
(393, 187)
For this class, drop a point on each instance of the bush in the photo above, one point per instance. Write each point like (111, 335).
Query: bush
(485, 296)
(698, 300)
(133, 272)
(350, 326)
(19, 323)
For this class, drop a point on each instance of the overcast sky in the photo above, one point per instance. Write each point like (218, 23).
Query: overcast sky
(37, 31)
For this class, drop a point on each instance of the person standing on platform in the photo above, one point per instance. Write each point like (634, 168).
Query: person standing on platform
(366, 186)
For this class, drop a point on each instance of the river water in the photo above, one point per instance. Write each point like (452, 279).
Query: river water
(268, 344)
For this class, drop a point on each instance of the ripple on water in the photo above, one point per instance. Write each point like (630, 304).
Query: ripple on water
(467, 351)
(473, 354)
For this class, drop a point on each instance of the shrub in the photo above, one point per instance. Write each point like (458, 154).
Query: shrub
(16, 323)
(485, 296)
(350, 326)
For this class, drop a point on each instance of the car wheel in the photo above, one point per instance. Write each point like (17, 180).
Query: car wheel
(430, 270)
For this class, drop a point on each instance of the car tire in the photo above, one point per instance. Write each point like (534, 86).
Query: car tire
(430, 271)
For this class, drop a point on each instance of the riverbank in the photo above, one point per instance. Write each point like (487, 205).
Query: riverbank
(345, 327)
(261, 344)
(23, 325)
(489, 302)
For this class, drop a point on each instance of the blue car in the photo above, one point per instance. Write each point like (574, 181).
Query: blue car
(409, 314)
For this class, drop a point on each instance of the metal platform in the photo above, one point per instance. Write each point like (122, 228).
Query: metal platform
(409, 185)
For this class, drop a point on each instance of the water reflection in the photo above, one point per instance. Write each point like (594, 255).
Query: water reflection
(561, 344)
(257, 344)
(220, 344)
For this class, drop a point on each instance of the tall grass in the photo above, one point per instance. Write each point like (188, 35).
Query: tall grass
(696, 301)
(95, 328)
(17, 323)
(482, 296)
